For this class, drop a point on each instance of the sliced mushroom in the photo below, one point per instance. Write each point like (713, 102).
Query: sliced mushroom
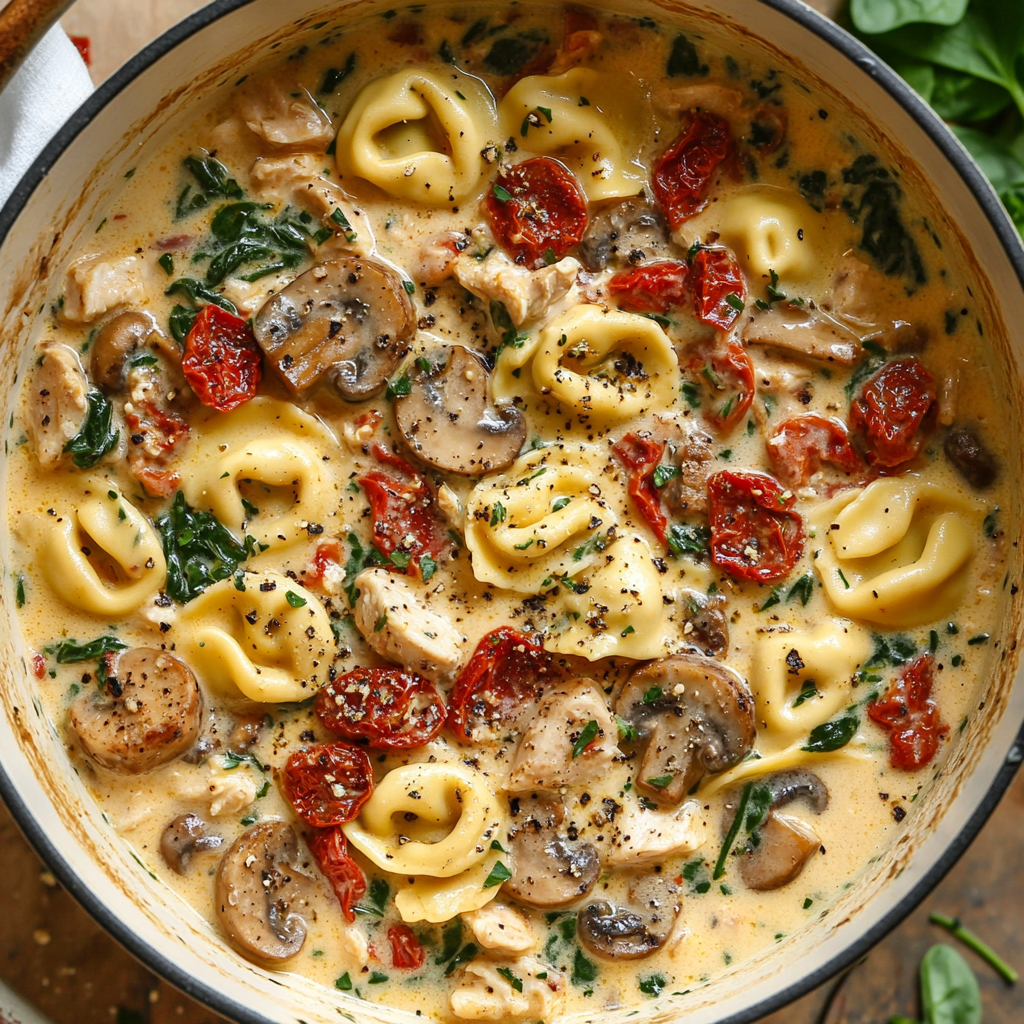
(687, 494)
(707, 625)
(184, 836)
(695, 715)
(115, 341)
(633, 231)
(148, 713)
(803, 332)
(787, 843)
(245, 733)
(970, 457)
(634, 931)
(781, 845)
(448, 420)
(548, 869)
(349, 320)
(262, 900)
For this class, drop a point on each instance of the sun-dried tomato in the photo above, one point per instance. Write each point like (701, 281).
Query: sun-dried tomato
(406, 951)
(683, 173)
(326, 558)
(719, 289)
(154, 433)
(640, 455)
(405, 518)
(726, 376)
(507, 670)
(386, 708)
(654, 287)
(330, 848)
(327, 783)
(536, 206)
(894, 411)
(755, 534)
(38, 665)
(800, 445)
(221, 362)
(911, 717)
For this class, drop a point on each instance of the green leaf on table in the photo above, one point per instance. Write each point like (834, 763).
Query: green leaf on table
(949, 989)
(874, 16)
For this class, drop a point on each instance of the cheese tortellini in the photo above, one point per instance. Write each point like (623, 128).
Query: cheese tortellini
(260, 635)
(608, 365)
(542, 519)
(434, 822)
(617, 611)
(772, 228)
(419, 134)
(100, 553)
(896, 551)
(282, 455)
(580, 118)
(802, 679)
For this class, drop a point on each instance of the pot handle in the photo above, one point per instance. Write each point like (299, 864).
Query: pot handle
(22, 24)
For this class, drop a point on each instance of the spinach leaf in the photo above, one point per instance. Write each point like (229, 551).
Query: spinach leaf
(197, 292)
(69, 651)
(949, 989)
(333, 77)
(96, 437)
(683, 59)
(199, 549)
(874, 16)
(507, 56)
(358, 560)
(180, 320)
(688, 539)
(245, 237)
(832, 735)
(214, 181)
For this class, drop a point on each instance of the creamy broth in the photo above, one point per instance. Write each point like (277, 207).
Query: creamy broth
(719, 461)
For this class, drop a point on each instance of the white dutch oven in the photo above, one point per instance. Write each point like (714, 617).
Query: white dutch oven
(58, 200)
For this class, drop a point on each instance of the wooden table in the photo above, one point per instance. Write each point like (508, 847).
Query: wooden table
(57, 957)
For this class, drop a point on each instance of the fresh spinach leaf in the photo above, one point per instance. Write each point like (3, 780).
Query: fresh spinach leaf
(96, 437)
(199, 549)
(949, 989)
(874, 16)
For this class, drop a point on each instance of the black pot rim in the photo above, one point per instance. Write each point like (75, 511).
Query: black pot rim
(854, 51)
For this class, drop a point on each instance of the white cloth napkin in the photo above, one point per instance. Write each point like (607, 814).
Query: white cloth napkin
(40, 97)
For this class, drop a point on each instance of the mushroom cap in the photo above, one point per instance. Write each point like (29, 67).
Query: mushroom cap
(185, 835)
(550, 871)
(349, 319)
(696, 716)
(149, 713)
(448, 420)
(115, 341)
(261, 900)
(787, 843)
(617, 933)
(798, 784)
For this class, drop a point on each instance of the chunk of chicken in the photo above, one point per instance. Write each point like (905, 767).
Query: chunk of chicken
(398, 626)
(530, 296)
(96, 285)
(280, 117)
(544, 758)
(225, 791)
(296, 180)
(640, 837)
(481, 993)
(716, 99)
(451, 508)
(56, 406)
(501, 928)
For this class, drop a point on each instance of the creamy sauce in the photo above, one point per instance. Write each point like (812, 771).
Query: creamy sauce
(799, 196)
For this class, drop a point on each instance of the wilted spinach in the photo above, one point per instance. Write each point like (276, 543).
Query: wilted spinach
(97, 436)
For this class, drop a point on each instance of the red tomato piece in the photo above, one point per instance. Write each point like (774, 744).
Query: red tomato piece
(755, 534)
(386, 708)
(894, 411)
(640, 455)
(684, 171)
(506, 671)
(222, 361)
(800, 445)
(726, 375)
(406, 951)
(654, 287)
(546, 209)
(907, 712)
(578, 21)
(38, 665)
(346, 877)
(719, 289)
(404, 517)
(327, 783)
(326, 557)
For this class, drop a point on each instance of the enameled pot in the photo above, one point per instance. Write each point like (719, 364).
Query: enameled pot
(48, 216)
